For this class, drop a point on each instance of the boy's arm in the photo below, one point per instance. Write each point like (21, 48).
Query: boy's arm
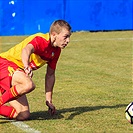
(26, 52)
(49, 84)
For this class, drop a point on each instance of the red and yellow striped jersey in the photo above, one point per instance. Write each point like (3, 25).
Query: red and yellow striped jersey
(44, 52)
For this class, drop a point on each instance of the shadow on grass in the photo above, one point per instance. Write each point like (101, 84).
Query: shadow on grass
(43, 115)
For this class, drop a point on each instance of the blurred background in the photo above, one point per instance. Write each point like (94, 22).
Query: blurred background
(25, 17)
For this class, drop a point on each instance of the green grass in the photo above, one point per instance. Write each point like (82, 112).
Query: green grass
(93, 86)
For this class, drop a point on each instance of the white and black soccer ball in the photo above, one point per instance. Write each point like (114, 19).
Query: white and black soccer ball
(129, 113)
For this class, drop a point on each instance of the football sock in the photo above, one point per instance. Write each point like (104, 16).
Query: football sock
(9, 95)
(7, 111)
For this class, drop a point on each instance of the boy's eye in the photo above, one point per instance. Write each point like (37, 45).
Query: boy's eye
(66, 37)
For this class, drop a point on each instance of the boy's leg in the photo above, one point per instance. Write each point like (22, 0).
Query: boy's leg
(18, 109)
(21, 84)
(22, 108)
(6, 111)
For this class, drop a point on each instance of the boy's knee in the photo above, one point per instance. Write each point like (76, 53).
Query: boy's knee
(23, 116)
(29, 86)
(24, 83)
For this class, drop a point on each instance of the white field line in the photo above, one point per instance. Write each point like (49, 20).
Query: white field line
(8, 43)
(102, 39)
(96, 39)
(24, 127)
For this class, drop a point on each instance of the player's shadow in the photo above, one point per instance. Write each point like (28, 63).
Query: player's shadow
(74, 111)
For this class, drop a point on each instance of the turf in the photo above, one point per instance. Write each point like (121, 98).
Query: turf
(93, 86)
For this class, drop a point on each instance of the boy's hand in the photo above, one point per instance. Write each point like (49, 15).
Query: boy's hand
(28, 71)
(51, 108)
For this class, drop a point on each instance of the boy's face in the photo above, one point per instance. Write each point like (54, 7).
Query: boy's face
(63, 38)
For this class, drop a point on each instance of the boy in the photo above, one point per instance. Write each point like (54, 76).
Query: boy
(17, 64)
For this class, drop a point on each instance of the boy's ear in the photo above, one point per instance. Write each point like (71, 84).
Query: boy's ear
(54, 34)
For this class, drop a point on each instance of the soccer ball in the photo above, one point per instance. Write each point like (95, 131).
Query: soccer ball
(129, 113)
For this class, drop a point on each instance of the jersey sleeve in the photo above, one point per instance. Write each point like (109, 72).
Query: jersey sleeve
(38, 43)
(52, 64)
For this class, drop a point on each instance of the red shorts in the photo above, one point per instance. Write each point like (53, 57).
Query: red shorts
(7, 68)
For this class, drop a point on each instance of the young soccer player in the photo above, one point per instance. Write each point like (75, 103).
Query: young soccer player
(18, 63)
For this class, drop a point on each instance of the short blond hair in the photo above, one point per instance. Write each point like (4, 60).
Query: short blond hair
(58, 25)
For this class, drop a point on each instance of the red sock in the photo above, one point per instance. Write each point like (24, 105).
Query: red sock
(9, 95)
(7, 111)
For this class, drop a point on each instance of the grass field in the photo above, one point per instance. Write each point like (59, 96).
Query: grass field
(93, 86)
